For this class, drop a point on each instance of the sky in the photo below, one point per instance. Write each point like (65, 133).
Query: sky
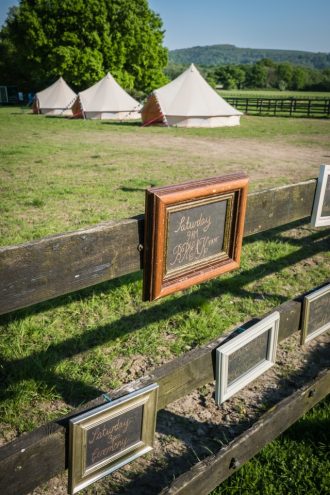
(282, 24)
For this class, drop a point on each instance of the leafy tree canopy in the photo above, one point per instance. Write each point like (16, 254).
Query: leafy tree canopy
(82, 40)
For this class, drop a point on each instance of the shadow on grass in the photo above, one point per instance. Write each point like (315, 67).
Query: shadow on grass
(39, 365)
(133, 123)
(314, 429)
(324, 116)
(134, 189)
(95, 290)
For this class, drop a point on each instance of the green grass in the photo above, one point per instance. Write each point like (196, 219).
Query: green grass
(58, 175)
(300, 457)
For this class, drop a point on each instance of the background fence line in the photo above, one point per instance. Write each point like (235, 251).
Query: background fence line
(297, 107)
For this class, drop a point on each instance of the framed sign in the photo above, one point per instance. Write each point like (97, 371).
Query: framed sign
(245, 357)
(316, 314)
(321, 207)
(193, 232)
(109, 436)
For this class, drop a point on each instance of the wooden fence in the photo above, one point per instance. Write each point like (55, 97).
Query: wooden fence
(60, 264)
(293, 107)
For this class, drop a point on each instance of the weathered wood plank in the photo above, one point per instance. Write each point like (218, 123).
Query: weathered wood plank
(279, 206)
(34, 463)
(25, 457)
(56, 265)
(40, 270)
(208, 474)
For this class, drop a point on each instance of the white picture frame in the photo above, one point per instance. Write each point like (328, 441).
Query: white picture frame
(307, 310)
(224, 389)
(322, 190)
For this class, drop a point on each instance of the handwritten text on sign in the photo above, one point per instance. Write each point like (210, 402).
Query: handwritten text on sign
(111, 437)
(326, 202)
(319, 313)
(195, 234)
(247, 357)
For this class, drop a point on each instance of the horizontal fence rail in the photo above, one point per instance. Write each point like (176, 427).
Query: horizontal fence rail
(40, 270)
(37, 456)
(209, 473)
(300, 107)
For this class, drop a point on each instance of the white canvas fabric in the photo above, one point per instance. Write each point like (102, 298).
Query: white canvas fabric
(189, 101)
(55, 99)
(181, 121)
(106, 100)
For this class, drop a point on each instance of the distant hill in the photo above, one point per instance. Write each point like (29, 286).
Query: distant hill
(230, 54)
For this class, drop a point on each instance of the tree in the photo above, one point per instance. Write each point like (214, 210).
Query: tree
(173, 70)
(299, 78)
(82, 40)
(257, 76)
(284, 73)
(231, 76)
(137, 35)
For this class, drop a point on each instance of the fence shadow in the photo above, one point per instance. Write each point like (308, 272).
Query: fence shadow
(39, 366)
(133, 123)
(83, 294)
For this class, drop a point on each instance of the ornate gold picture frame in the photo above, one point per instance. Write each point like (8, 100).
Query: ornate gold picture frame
(110, 436)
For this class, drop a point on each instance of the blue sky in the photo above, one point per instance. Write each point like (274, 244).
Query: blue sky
(285, 24)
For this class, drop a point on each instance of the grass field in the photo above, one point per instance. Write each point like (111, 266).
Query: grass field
(58, 175)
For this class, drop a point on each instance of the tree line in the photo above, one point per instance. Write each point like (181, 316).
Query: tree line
(214, 55)
(264, 74)
(83, 40)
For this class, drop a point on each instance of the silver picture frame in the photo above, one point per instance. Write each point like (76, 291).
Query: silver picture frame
(322, 297)
(229, 382)
(322, 196)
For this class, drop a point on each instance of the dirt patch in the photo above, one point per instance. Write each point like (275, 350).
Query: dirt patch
(194, 427)
(263, 160)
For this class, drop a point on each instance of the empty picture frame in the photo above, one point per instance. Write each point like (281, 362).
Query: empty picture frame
(321, 206)
(316, 314)
(110, 436)
(193, 232)
(245, 357)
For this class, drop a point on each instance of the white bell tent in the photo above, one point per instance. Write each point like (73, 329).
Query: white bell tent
(106, 100)
(54, 100)
(189, 101)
